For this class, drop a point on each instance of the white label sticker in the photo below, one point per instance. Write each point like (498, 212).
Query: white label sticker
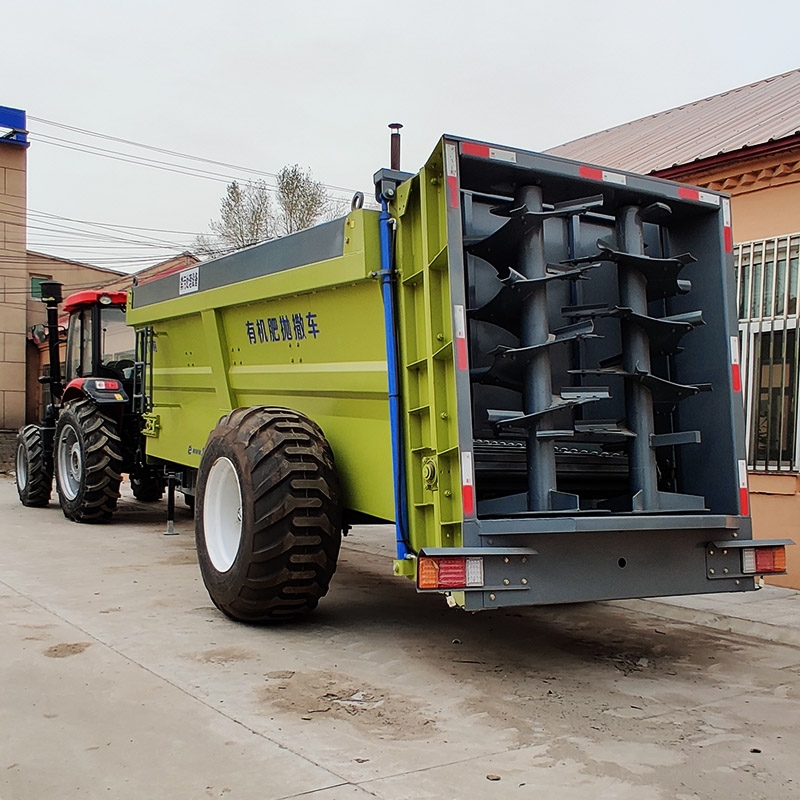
(466, 468)
(188, 280)
(615, 177)
(460, 321)
(707, 197)
(735, 350)
(451, 159)
(742, 474)
(503, 155)
(726, 211)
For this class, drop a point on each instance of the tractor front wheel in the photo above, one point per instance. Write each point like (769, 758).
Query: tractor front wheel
(268, 521)
(34, 473)
(88, 461)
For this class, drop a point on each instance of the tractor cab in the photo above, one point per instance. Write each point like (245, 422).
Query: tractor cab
(99, 343)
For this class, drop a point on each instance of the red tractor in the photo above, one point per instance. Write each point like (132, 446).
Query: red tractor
(91, 431)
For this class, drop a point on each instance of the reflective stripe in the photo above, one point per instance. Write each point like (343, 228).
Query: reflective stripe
(727, 231)
(451, 161)
(460, 331)
(744, 497)
(695, 194)
(467, 484)
(736, 371)
(597, 174)
(484, 151)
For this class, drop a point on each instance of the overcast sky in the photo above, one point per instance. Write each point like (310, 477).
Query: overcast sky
(265, 84)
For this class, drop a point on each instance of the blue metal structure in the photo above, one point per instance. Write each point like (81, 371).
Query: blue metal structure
(13, 127)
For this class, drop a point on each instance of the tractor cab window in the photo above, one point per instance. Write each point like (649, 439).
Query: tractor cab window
(118, 340)
(79, 345)
(100, 344)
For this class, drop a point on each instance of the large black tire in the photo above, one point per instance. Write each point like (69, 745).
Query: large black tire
(88, 462)
(147, 487)
(34, 471)
(268, 521)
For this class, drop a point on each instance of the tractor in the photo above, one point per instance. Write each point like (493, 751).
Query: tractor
(91, 430)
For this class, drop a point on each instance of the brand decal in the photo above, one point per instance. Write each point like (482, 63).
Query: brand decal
(194, 451)
(283, 328)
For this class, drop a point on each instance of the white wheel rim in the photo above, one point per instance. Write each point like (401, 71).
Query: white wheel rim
(22, 468)
(70, 463)
(222, 514)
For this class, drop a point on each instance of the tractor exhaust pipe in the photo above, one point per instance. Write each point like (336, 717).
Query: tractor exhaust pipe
(52, 297)
(394, 156)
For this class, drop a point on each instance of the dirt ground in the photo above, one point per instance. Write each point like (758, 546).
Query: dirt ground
(120, 679)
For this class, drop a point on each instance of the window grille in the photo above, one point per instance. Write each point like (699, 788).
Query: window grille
(767, 292)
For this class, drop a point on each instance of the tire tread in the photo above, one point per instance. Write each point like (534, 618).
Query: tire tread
(296, 515)
(102, 462)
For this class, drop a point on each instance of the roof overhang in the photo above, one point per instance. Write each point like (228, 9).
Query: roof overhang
(721, 160)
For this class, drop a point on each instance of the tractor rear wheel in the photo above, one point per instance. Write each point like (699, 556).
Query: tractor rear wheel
(88, 461)
(34, 471)
(268, 521)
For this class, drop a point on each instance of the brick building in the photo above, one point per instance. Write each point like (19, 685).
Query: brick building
(13, 269)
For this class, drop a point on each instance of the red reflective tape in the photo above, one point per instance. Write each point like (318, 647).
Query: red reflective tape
(728, 233)
(462, 359)
(468, 499)
(452, 191)
(472, 149)
(688, 194)
(744, 502)
(590, 172)
(736, 373)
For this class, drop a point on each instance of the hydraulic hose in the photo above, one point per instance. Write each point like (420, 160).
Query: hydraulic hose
(385, 223)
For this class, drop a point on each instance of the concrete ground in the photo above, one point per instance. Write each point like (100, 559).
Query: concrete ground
(119, 679)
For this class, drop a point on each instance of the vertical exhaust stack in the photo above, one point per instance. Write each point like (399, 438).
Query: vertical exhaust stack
(394, 156)
(387, 180)
(52, 297)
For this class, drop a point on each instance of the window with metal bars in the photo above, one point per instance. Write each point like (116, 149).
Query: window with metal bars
(767, 298)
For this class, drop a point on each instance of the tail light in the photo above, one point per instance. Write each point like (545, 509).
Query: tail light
(107, 386)
(449, 572)
(763, 560)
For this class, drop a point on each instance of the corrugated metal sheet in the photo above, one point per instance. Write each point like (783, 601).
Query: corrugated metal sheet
(750, 115)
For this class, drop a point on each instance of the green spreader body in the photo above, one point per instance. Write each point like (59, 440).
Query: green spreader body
(570, 421)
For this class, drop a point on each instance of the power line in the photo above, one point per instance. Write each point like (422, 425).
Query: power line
(32, 212)
(176, 153)
(115, 239)
(49, 230)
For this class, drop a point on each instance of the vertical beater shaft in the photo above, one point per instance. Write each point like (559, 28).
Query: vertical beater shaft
(636, 359)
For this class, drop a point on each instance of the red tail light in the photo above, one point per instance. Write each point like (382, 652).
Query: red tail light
(449, 572)
(764, 560)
